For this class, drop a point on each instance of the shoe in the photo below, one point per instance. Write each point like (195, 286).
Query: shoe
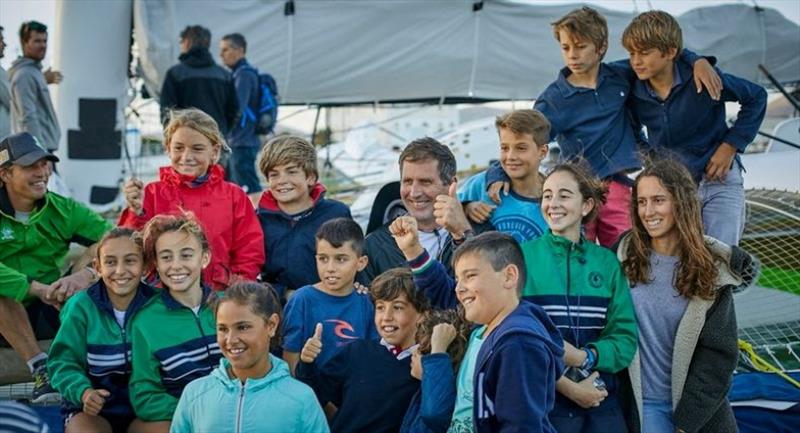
(42, 390)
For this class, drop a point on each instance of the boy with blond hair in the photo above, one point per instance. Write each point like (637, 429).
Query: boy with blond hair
(587, 114)
(523, 136)
(291, 211)
(692, 127)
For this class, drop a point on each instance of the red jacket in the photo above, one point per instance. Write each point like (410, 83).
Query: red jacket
(226, 214)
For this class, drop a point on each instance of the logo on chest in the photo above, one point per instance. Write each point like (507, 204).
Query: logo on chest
(595, 279)
(6, 234)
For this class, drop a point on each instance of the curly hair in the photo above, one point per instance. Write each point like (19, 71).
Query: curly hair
(458, 347)
(696, 271)
(161, 224)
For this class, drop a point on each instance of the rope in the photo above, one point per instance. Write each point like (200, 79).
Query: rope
(761, 364)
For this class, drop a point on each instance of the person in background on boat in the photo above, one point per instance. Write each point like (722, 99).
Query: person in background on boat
(198, 82)
(31, 107)
(692, 127)
(682, 287)
(37, 228)
(428, 173)
(580, 285)
(332, 311)
(174, 335)
(586, 109)
(5, 94)
(251, 391)
(242, 136)
(89, 360)
(194, 182)
(291, 211)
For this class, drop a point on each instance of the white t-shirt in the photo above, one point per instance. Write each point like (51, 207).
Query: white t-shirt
(120, 316)
(433, 241)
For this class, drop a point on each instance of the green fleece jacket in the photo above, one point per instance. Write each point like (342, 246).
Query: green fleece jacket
(171, 347)
(35, 250)
(91, 350)
(582, 288)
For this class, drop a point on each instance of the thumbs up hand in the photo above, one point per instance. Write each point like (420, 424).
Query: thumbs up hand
(450, 214)
(313, 346)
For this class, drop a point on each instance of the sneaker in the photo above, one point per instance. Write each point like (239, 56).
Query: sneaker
(42, 390)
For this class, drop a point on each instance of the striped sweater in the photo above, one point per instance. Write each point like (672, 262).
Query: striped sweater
(171, 347)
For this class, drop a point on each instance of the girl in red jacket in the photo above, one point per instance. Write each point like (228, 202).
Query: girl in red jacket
(195, 182)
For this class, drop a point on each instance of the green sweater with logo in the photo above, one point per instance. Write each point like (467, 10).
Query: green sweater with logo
(35, 250)
(582, 288)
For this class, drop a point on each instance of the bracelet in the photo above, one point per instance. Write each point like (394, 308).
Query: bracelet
(590, 360)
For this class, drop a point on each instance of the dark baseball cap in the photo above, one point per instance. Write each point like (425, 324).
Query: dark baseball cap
(22, 149)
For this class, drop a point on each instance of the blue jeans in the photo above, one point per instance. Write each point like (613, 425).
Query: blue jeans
(723, 206)
(242, 164)
(657, 417)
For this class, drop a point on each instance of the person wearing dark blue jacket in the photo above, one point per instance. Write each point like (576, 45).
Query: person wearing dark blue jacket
(521, 355)
(691, 126)
(291, 211)
(242, 137)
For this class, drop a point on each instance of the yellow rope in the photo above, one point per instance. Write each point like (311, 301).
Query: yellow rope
(762, 365)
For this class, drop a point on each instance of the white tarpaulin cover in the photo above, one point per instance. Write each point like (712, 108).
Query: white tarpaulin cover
(347, 51)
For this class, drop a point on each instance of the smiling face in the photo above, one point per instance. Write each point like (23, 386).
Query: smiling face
(419, 186)
(180, 260)
(120, 265)
(243, 338)
(563, 206)
(337, 267)
(655, 209)
(396, 321)
(191, 152)
(290, 185)
(580, 55)
(26, 185)
(520, 155)
(484, 292)
(651, 63)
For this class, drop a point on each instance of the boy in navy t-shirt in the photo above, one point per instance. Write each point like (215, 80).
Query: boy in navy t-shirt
(331, 308)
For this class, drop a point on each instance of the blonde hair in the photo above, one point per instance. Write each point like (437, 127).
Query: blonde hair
(198, 121)
(584, 23)
(287, 149)
(653, 29)
(526, 122)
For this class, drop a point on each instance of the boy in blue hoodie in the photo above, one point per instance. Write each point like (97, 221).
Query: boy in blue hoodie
(520, 358)
(691, 126)
(291, 211)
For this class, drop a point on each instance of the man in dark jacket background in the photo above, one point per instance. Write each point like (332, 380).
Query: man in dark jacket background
(197, 81)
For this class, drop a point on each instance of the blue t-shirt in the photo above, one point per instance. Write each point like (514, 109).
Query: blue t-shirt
(519, 216)
(462, 414)
(343, 318)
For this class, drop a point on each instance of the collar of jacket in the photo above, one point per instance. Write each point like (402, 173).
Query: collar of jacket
(197, 57)
(684, 71)
(568, 90)
(173, 304)
(98, 293)
(240, 64)
(8, 210)
(560, 245)
(269, 204)
(278, 371)
(168, 175)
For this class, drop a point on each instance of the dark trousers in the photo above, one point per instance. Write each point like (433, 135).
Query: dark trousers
(242, 165)
(44, 321)
(608, 417)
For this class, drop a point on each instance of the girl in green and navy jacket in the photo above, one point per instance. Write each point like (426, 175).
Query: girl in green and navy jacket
(174, 337)
(89, 359)
(582, 288)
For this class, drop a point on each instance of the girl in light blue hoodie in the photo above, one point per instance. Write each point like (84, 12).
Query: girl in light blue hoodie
(251, 391)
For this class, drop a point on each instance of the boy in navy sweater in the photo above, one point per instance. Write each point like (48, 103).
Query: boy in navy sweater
(368, 380)
(291, 211)
(521, 355)
(691, 126)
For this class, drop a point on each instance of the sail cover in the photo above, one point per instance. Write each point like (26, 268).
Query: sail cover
(355, 51)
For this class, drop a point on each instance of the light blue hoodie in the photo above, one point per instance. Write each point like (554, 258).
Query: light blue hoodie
(276, 403)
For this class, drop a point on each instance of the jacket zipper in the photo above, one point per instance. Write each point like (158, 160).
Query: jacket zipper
(239, 409)
(202, 335)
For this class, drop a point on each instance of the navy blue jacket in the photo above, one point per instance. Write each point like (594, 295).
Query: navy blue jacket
(245, 80)
(516, 373)
(432, 278)
(431, 409)
(690, 125)
(289, 244)
(200, 83)
(369, 385)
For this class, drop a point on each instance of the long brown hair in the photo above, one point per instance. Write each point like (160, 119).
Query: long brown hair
(696, 271)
